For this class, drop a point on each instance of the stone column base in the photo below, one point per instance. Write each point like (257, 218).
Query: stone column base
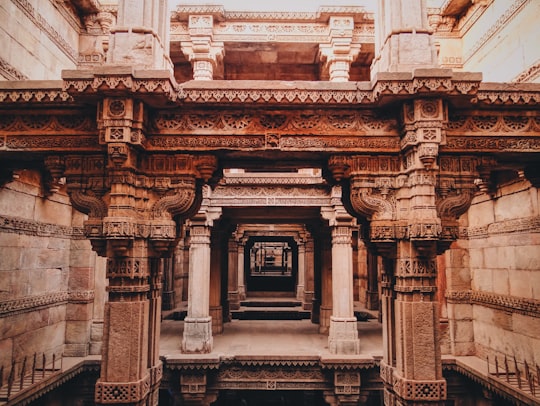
(197, 335)
(343, 337)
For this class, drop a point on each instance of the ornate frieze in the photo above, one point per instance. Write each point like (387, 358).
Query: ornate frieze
(32, 303)
(526, 224)
(342, 122)
(267, 377)
(514, 304)
(19, 225)
(493, 123)
(9, 72)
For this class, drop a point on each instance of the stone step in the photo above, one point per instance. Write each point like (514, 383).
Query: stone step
(270, 314)
(270, 303)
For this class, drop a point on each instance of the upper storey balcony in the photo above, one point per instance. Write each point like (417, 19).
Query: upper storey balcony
(333, 43)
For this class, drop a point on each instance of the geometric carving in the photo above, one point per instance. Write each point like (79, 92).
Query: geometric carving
(419, 390)
(416, 267)
(347, 382)
(122, 392)
(126, 268)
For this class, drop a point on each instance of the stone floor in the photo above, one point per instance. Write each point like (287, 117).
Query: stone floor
(272, 337)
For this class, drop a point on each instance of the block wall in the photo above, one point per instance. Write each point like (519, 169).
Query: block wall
(47, 274)
(494, 276)
(39, 39)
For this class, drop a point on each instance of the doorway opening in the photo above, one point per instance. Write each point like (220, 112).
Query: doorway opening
(271, 266)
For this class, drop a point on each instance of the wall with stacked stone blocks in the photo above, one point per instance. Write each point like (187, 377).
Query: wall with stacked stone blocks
(39, 39)
(503, 42)
(47, 281)
(504, 261)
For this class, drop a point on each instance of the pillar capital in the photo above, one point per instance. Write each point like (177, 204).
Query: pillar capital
(337, 54)
(205, 54)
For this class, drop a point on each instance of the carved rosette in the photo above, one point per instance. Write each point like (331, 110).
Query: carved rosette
(423, 131)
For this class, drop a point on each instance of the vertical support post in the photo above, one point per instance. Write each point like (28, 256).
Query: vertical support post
(403, 37)
(198, 323)
(343, 334)
(233, 293)
(301, 271)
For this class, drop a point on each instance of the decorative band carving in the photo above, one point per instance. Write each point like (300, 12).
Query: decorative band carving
(420, 390)
(37, 302)
(122, 392)
(18, 225)
(416, 268)
(527, 224)
(513, 304)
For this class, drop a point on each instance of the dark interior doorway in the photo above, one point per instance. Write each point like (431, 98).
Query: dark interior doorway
(271, 264)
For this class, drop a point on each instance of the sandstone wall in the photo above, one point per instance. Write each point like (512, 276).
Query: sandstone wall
(39, 38)
(494, 306)
(47, 280)
(503, 43)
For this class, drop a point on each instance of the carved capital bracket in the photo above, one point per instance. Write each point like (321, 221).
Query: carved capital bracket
(193, 387)
(55, 166)
(424, 122)
(339, 52)
(205, 54)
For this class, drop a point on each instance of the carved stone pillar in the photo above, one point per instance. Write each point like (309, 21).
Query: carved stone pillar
(141, 35)
(309, 282)
(198, 323)
(240, 268)
(301, 271)
(372, 294)
(339, 52)
(343, 335)
(205, 55)
(216, 309)
(233, 294)
(403, 37)
(325, 310)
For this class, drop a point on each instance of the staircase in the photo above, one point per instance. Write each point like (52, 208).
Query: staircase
(270, 309)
